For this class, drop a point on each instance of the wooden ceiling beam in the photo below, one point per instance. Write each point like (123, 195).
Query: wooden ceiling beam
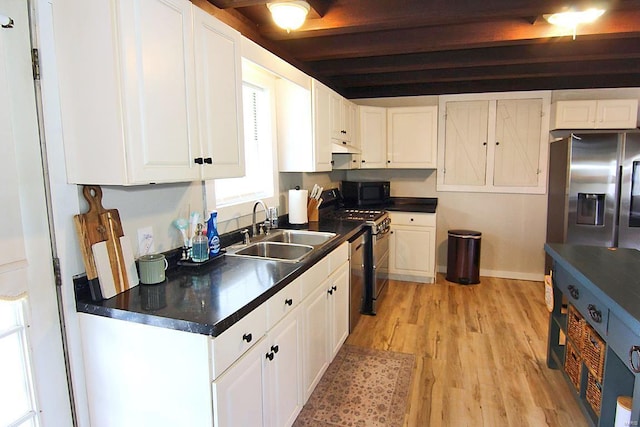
(429, 39)
(496, 72)
(472, 86)
(562, 50)
(319, 7)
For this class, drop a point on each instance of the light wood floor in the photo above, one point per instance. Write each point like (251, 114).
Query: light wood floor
(480, 353)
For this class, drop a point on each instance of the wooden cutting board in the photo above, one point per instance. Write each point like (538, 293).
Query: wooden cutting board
(106, 252)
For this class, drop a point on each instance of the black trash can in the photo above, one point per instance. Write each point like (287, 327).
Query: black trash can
(463, 256)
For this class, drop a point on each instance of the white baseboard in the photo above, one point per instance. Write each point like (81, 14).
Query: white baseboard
(411, 278)
(516, 275)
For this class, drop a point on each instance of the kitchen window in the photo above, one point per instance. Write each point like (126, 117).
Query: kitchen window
(17, 400)
(234, 197)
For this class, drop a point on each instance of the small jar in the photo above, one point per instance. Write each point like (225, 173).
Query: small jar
(200, 246)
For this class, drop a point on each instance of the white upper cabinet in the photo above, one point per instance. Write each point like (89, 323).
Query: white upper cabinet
(343, 114)
(373, 137)
(219, 83)
(304, 127)
(466, 130)
(412, 135)
(596, 114)
(399, 137)
(494, 143)
(127, 72)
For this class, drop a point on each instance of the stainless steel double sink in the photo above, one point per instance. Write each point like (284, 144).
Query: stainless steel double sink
(283, 245)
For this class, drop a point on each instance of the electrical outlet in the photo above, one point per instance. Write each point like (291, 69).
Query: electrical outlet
(145, 240)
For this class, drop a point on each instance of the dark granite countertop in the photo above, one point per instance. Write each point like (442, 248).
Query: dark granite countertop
(409, 204)
(612, 275)
(413, 204)
(209, 299)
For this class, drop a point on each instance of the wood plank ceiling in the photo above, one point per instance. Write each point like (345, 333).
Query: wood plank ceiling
(381, 48)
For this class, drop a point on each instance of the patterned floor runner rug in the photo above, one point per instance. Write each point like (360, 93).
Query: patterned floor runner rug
(361, 387)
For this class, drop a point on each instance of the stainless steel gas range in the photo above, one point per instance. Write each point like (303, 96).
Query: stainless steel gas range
(376, 262)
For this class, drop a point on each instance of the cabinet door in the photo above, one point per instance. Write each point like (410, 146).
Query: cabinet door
(159, 89)
(238, 393)
(219, 82)
(339, 309)
(283, 372)
(373, 137)
(466, 137)
(517, 145)
(575, 114)
(316, 338)
(337, 116)
(412, 251)
(412, 137)
(349, 116)
(617, 114)
(322, 129)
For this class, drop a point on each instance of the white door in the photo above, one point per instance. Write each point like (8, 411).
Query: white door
(316, 338)
(238, 394)
(160, 91)
(517, 144)
(373, 137)
(412, 137)
(412, 250)
(466, 134)
(33, 389)
(339, 309)
(219, 84)
(283, 371)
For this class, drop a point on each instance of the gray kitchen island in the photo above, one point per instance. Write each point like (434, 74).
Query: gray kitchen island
(594, 327)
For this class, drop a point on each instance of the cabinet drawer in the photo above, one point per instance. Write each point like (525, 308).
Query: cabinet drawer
(621, 338)
(413, 218)
(232, 343)
(592, 309)
(338, 257)
(311, 278)
(283, 302)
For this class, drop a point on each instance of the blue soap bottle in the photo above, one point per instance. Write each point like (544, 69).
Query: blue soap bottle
(212, 234)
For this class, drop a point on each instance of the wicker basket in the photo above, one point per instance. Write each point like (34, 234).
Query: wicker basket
(593, 350)
(573, 365)
(575, 327)
(594, 393)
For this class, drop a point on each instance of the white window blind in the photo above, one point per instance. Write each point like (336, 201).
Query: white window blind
(17, 399)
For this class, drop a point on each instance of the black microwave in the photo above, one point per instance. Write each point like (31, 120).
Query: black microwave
(365, 193)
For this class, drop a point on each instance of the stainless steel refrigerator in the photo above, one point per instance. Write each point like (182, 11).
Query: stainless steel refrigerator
(594, 190)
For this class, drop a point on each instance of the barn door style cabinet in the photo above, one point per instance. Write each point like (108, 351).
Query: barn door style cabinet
(494, 143)
(150, 92)
(594, 327)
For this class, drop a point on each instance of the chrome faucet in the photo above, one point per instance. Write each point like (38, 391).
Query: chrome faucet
(254, 229)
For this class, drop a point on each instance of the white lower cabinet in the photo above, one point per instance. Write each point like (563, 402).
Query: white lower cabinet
(264, 386)
(238, 398)
(259, 372)
(283, 372)
(413, 246)
(316, 338)
(338, 309)
(326, 326)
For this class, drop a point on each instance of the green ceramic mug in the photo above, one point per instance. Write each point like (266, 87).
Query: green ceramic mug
(152, 268)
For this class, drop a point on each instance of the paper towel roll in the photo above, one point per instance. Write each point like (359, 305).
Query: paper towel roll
(298, 206)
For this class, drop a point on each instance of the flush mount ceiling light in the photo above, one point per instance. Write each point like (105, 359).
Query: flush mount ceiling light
(289, 15)
(571, 19)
